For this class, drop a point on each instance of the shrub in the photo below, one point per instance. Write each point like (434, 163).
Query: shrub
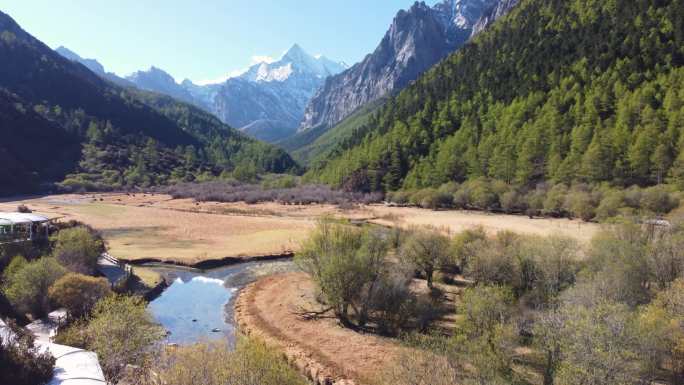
(350, 267)
(633, 197)
(427, 250)
(396, 236)
(598, 346)
(431, 199)
(463, 245)
(251, 363)
(17, 263)
(610, 205)
(27, 287)
(399, 197)
(393, 303)
(483, 307)
(581, 204)
(21, 363)
(23, 209)
(417, 197)
(122, 332)
(534, 200)
(78, 249)
(555, 200)
(495, 261)
(449, 188)
(73, 334)
(461, 198)
(78, 293)
(485, 337)
(512, 201)
(658, 200)
(550, 267)
(420, 367)
(245, 173)
(279, 182)
(344, 262)
(231, 191)
(617, 256)
(482, 194)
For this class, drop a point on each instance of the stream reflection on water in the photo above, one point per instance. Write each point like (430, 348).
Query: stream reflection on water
(198, 305)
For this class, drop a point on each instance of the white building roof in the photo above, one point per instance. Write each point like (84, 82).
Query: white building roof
(73, 366)
(21, 218)
(5, 333)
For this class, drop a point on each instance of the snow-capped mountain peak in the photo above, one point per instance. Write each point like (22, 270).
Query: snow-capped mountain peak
(266, 101)
(295, 61)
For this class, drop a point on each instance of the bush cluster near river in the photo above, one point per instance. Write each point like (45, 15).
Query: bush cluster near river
(38, 277)
(530, 309)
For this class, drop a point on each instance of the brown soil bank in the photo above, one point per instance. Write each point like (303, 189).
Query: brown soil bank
(325, 352)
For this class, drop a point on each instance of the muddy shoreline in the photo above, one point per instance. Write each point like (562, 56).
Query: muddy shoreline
(307, 362)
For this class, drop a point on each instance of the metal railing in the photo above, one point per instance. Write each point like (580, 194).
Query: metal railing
(128, 270)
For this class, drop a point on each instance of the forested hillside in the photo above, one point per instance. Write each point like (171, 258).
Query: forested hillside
(59, 120)
(559, 90)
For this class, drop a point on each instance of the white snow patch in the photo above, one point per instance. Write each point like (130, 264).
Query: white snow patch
(276, 74)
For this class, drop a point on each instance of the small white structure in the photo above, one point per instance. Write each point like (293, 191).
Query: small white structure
(46, 328)
(20, 227)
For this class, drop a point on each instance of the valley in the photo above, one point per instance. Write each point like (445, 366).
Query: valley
(489, 193)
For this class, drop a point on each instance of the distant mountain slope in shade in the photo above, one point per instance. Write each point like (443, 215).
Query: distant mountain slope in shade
(91, 64)
(276, 92)
(61, 118)
(417, 39)
(569, 92)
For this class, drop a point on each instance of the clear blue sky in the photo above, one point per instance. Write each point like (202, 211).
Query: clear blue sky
(204, 39)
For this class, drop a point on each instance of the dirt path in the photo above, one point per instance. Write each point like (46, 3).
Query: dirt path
(320, 348)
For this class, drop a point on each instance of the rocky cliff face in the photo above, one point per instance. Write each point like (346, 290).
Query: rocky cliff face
(499, 10)
(416, 40)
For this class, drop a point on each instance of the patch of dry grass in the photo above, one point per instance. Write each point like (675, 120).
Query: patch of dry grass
(140, 230)
(139, 226)
(147, 277)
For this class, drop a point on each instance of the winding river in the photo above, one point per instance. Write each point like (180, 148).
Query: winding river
(198, 304)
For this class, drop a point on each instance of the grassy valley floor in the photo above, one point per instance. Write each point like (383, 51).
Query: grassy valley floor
(144, 226)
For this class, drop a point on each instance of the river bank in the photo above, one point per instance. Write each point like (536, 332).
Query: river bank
(271, 309)
(197, 305)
